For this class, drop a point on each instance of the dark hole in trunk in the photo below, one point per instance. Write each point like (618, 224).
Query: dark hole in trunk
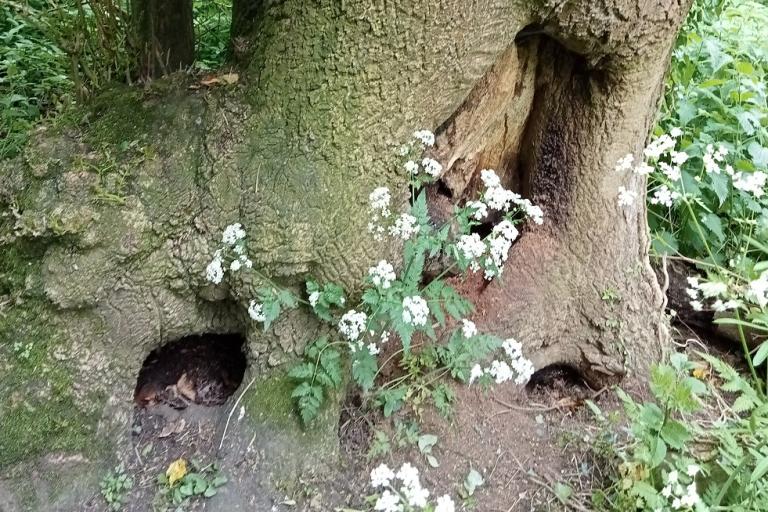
(559, 380)
(204, 369)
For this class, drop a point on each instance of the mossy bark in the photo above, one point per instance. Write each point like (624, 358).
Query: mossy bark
(125, 207)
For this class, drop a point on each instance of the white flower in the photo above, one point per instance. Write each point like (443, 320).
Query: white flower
(233, 233)
(412, 167)
(379, 200)
(415, 310)
(752, 182)
(625, 163)
(313, 298)
(672, 172)
(506, 229)
(697, 305)
(490, 178)
(672, 477)
(693, 282)
(214, 272)
(426, 137)
(481, 209)
(475, 373)
(499, 249)
(675, 132)
(388, 502)
(666, 491)
(432, 167)
(352, 324)
(373, 349)
(381, 476)
(524, 369)
(416, 495)
(513, 348)
(255, 311)
(643, 169)
(500, 371)
(499, 198)
(405, 226)
(626, 197)
(409, 475)
(235, 265)
(756, 291)
(713, 289)
(659, 146)
(533, 211)
(471, 246)
(384, 337)
(468, 328)
(693, 469)
(445, 504)
(382, 274)
(664, 196)
(679, 157)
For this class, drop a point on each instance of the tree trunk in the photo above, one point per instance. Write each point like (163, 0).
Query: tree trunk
(165, 34)
(113, 222)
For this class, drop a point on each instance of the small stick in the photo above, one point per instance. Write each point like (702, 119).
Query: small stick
(229, 417)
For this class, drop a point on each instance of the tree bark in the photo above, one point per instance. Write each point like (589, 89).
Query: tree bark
(107, 246)
(165, 34)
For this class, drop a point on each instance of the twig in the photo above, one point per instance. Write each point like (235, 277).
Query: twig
(553, 407)
(231, 412)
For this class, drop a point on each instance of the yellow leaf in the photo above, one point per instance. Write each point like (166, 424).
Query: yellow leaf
(176, 471)
(701, 373)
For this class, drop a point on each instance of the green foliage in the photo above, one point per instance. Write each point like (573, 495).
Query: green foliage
(212, 21)
(114, 487)
(316, 377)
(674, 451)
(201, 482)
(33, 78)
(716, 94)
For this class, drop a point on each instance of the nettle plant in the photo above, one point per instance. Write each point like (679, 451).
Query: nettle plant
(678, 460)
(401, 305)
(696, 183)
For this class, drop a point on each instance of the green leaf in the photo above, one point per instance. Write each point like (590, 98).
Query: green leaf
(675, 434)
(659, 452)
(761, 355)
(714, 224)
(760, 470)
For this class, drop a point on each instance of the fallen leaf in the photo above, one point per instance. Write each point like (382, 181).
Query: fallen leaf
(229, 78)
(176, 471)
(211, 80)
(701, 373)
(186, 387)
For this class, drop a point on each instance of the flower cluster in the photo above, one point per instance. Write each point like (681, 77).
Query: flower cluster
(406, 226)
(415, 311)
(684, 497)
(518, 368)
(408, 494)
(352, 324)
(382, 274)
(699, 290)
(379, 202)
(233, 239)
(468, 328)
(499, 243)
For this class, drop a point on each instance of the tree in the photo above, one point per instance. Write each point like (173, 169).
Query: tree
(113, 220)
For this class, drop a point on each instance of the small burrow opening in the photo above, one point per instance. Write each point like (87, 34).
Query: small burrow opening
(203, 369)
(558, 381)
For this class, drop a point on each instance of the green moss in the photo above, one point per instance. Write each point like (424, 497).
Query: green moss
(269, 402)
(38, 411)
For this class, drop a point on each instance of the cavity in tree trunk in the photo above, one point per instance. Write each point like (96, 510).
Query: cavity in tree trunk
(111, 223)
